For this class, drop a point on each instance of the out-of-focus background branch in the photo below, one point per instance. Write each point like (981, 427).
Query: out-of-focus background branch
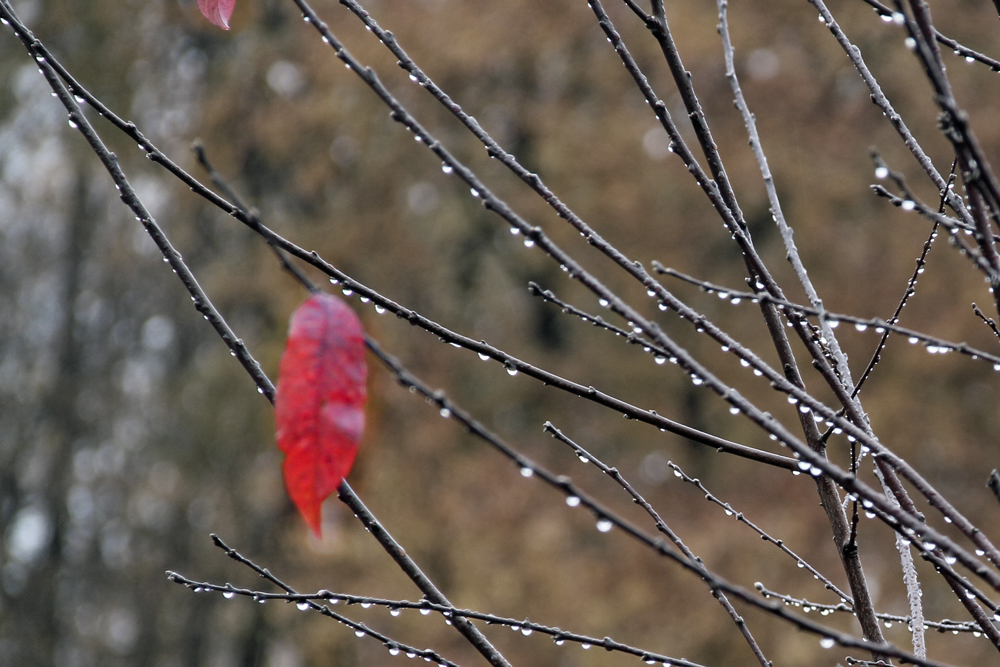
(128, 434)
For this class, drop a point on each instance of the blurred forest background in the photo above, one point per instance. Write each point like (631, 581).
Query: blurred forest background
(128, 433)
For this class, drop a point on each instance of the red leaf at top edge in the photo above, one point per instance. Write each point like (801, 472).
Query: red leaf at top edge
(217, 11)
(319, 401)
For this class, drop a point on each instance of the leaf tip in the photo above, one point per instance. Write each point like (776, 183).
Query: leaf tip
(217, 12)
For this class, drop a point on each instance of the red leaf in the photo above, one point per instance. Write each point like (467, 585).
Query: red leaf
(217, 11)
(319, 402)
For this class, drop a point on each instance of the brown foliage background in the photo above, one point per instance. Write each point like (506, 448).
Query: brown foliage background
(151, 423)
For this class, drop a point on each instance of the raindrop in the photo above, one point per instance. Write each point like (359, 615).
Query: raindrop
(229, 595)
(380, 310)
(425, 612)
(908, 205)
(359, 633)
(827, 642)
(603, 303)
(733, 410)
(660, 359)
(511, 371)
(72, 124)
(347, 291)
(898, 18)
(302, 606)
(366, 605)
(447, 168)
(881, 172)
(583, 459)
(413, 78)
(804, 465)
(605, 525)
(395, 611)
(515, 231)
(484, 356)
(528, 243)
(886, 18)
(970, 59)
(394, 651)
(474, 192)
(445, 412)
(526, 631)
(573, 501)
(861, 327)
(910, 43)
(527, 472)
(585, 647)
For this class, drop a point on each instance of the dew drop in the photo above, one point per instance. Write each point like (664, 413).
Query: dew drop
(527, 472)
(604, 525)
(827, 642)
(603, 303)
(908, 205)
(583, 459)
(511, 371)
(881, 172)
(302, 606)
(660, 359)
(445, 412)
(425, 612)
(484, 356)
(528, 243)
(359, 633)
(347, 291)
(861, 327)
(229, 595)
(447, 168)
(573, 501)
(733, 410)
